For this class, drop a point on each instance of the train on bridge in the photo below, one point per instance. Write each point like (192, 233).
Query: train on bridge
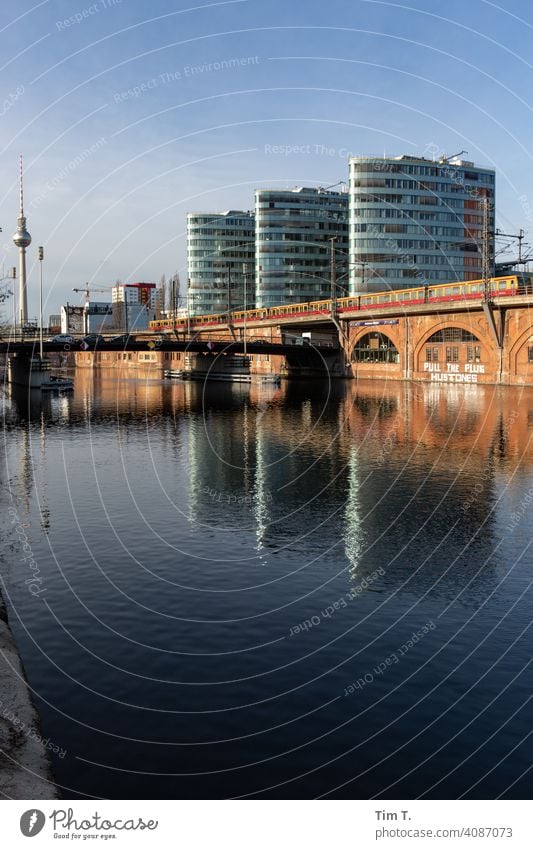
(474, 290)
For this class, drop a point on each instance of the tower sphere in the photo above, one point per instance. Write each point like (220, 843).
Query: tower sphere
(22, 238)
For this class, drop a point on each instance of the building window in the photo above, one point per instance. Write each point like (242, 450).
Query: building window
(452, 354)
(473, 354)
(530, 354)
(432, 355)
(453, 334)
(375, 348)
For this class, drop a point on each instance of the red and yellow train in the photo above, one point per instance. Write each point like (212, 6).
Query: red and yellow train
(438, 293)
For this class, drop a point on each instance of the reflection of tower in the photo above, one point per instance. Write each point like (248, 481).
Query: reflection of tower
(353, 535)
(22, 240)
(44, 510)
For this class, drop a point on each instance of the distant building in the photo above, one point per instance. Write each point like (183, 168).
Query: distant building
(54, 323)
(133, 305)
(94, 317)
(415, 221)
(72, 319)
(159, 299)
(220, 261)
(294, 228)
(98, 317)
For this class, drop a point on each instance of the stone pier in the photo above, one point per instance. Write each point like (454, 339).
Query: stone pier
(25, 770)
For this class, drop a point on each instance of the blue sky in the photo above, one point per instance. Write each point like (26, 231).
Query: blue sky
(129, 114)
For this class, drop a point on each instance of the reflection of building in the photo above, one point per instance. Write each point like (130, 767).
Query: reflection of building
(220, 261)
(294, 228)
(132, 305)
(414, 221)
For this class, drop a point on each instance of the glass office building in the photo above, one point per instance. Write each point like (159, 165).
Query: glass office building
(294, 228)
(220, 261)
(415, 221)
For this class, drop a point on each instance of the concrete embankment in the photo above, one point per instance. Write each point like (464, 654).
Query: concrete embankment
(25, 770)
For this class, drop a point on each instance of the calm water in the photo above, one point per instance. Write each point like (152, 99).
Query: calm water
(230, 581)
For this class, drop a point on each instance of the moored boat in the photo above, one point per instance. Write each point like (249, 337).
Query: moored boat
(56, 382)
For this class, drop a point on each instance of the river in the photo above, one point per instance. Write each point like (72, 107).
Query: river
(313, 590)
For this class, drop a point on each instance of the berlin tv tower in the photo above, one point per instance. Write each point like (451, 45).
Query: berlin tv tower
(22, 240)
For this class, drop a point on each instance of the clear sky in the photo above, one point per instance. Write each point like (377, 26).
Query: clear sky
(129, 114)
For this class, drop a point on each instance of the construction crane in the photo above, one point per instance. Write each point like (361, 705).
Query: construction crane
(445, 159)
(88, 291)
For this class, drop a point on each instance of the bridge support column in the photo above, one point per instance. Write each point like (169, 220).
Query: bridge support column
(408, 355)
(346, 349)
(24, 370)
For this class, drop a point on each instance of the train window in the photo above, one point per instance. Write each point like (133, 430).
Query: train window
(456, 290)
(406, 296)
(474, 289)
(431, 293)
(502, 284)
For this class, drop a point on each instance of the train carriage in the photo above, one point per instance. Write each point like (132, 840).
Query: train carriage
(415, 295)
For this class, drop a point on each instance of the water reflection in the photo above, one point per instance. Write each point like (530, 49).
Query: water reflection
(352, 467)
(181, 533)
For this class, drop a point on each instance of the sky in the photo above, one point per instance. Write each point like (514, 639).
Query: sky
(130, 114)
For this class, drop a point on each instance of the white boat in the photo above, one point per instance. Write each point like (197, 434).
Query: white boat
(56, 383)
(267, 379)
(173, 373)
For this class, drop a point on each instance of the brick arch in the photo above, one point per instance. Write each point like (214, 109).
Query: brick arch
(440, 325)
(390, 331)
(515, 351)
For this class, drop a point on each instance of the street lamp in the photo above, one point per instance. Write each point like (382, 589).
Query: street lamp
(40, 254)
(245, 286)
(188, 306)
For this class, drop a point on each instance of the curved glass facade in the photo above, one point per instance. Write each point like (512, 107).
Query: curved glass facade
(220, 261)
(414, 221)
(293, 249)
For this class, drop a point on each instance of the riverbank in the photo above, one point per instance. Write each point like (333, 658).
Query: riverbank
(25, 768)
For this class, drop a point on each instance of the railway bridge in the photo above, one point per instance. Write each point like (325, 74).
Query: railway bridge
(474, 340)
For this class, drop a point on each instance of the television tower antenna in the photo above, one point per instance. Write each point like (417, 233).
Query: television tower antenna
(22, 240)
